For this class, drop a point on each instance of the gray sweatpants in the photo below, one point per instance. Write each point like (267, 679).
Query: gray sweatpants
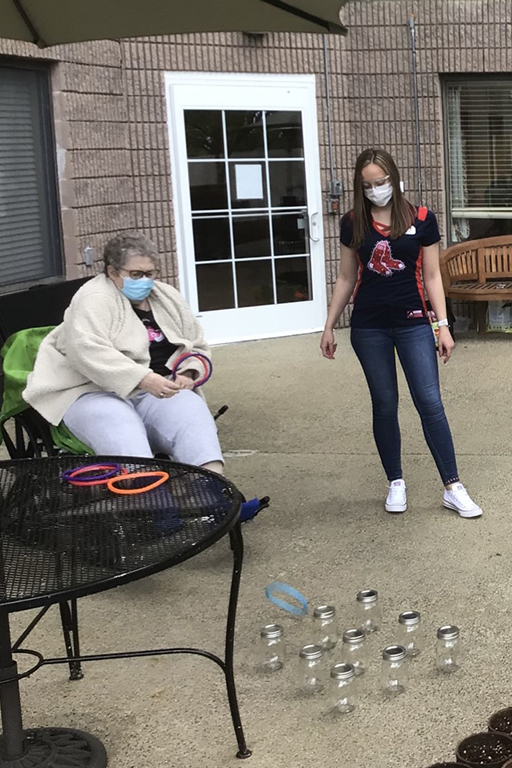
(180, 426)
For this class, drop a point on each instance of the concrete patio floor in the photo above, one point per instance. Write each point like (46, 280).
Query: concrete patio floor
(308, 423)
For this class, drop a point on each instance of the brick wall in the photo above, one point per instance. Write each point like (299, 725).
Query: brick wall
(111, 128)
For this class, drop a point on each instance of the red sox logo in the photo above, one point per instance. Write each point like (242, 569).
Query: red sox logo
(382, 261)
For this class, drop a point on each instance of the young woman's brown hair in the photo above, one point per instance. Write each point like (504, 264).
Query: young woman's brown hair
(403, 212)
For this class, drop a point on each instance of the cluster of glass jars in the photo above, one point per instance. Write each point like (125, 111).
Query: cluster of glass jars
(342, 678)
(395, 657)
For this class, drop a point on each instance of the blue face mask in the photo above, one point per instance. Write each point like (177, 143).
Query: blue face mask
(137, 290)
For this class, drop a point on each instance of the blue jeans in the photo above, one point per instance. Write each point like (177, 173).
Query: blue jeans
(375, 348)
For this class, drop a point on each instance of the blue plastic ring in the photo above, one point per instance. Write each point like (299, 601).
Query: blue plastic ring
(279, 586)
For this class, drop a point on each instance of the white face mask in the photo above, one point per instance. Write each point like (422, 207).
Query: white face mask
(380, 196)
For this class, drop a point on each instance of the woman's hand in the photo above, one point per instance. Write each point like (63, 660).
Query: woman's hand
(186, 379)
(445, 343)
(159, 386)
(327, 344)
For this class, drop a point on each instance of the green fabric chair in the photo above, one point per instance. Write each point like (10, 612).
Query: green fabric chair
(32, 433)
(36, 311)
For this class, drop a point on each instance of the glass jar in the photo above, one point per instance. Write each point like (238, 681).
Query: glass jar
(326, 633)
(394, 670)
(311, 669)
(368, 610)
(354, 650)
(448, 648)
(410, 632)
(343, 684)
(272, 648)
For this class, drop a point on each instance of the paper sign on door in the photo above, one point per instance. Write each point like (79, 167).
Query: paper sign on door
(249, 181)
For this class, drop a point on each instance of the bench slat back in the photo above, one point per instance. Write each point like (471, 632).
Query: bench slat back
(477, 260)
(462, 265)
(498, 260)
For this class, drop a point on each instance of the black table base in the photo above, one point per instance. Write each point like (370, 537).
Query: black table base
(68, 748)
(55, 748)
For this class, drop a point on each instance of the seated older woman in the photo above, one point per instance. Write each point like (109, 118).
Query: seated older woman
(106, 370)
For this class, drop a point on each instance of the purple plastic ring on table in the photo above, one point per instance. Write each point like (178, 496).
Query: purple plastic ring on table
(207, 364)
(77, 472)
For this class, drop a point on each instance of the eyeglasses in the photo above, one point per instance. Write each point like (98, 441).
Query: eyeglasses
(376, 183)
(137, 274)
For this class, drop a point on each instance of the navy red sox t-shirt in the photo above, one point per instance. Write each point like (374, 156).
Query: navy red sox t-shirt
(389, 290)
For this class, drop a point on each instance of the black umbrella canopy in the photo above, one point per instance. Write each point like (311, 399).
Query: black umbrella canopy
(54, 22)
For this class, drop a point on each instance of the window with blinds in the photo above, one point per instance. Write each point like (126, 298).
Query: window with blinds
(478, 120)
(29, 229)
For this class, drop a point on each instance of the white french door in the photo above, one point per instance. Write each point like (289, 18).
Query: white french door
(247, 200)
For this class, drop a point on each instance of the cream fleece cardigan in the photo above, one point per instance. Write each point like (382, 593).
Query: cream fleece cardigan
(101, 345)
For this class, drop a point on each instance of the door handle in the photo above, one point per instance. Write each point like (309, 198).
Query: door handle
(313, 228)
(310, 225)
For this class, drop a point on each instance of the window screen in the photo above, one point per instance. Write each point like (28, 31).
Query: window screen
(478, 119)
(29, 231)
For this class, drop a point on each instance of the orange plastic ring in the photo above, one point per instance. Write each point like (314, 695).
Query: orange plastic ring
(85, 484)
(162, 477)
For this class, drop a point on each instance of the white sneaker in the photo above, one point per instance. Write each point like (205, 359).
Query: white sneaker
(397, 497)
(458, 498)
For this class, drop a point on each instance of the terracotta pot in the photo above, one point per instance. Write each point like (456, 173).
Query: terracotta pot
(490, 749)
(501, 721)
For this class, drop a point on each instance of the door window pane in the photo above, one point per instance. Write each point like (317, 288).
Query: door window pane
(245, 134)
(287, 184)
(215, 286)
(252, 236)
(289, 231)
(257, 239)
(284, 134)
(211, 239)
(293, 280)
(208, 190)
(203, 130)
(254, 283)
(248, 185)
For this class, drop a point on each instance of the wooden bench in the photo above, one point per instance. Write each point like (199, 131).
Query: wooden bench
(479, 270)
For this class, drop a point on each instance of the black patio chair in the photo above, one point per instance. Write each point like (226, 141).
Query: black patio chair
(39, 306)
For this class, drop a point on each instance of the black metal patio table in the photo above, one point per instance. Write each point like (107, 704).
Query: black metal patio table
(60, 542)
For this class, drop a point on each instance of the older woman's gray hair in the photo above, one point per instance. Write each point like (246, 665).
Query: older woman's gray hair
(121, 247)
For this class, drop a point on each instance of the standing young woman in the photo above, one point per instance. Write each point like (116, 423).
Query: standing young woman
(387, 245)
